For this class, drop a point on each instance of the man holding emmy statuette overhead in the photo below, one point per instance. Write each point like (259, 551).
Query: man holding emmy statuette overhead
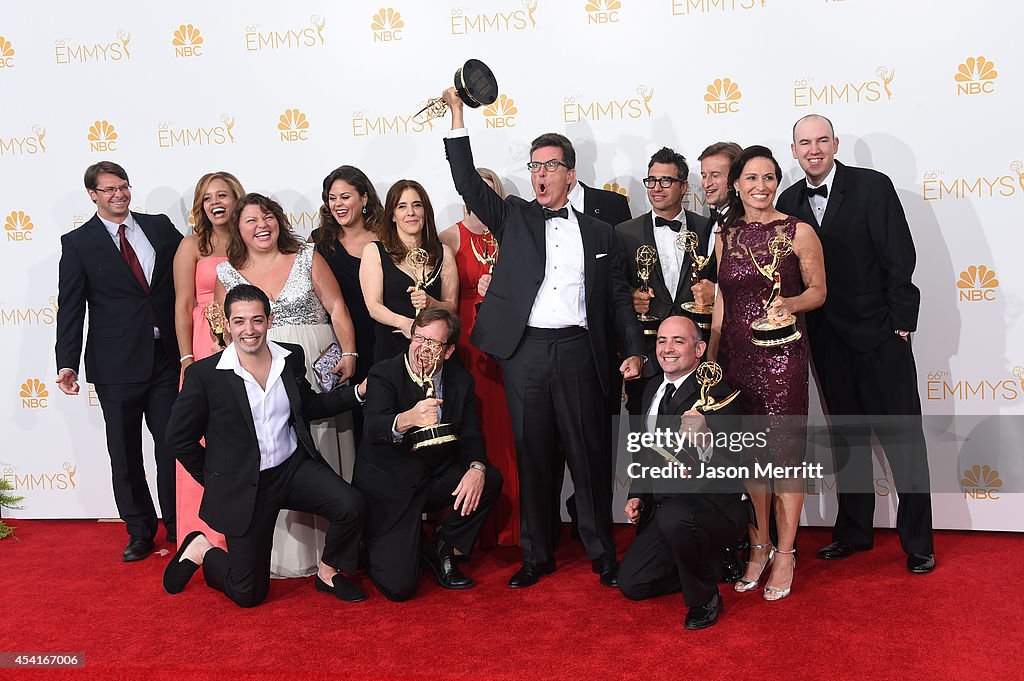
(118, 265)
(547, 317)
(860, 341)
(685, 522)
(422, 451)
(665, 256)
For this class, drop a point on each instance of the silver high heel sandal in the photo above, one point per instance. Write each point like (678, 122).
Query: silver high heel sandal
(773, 594)
(742, 585)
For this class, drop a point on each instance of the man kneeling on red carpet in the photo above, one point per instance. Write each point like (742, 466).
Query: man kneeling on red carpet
(420, 398)
(253, 403)
(683, 523)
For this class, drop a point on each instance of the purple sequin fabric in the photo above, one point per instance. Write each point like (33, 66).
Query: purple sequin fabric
(773, 381)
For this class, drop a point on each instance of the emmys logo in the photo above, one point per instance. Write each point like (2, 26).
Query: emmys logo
(981, 482)
(169, 137)
(387, 26)
(941, 387)
(6, 53)
(692, 201)
(293, 126)
(617, 188)
(464, 23)
(33, 394)
(102, 137)
(603, 11)
(976, 76)
(29, 145)
(187, 42)
(722, 96)
(18, 226)
(977, 283)
(304, 221)
(808, 93)
(936, 186)
(47, 482)
(681, 8)
(29, 316)
(501, 114)
(576, 109)
(366, 125)
(298, 38)
(83, 53)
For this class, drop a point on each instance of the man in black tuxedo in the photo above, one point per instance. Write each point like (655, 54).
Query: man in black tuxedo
(670, 284)
(401, 484)
(860, 340)
(119, 266)
(600, 204)
(253, 405)
(547, 317)
(683, 524)
(715, 161)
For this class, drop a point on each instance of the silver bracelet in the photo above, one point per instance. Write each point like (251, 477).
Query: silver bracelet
(184, 357)
(350, 354)
(478, 466)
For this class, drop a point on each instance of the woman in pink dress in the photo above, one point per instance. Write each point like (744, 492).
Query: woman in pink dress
(471, 242)
(195, 274)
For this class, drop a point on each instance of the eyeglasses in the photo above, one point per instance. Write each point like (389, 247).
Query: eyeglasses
(665, 182)
(551, 166)
(110, 191)
(429, 342)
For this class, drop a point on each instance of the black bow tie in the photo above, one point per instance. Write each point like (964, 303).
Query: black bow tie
(552, 214)
(674, 225)
(821, 191)
(713, 214)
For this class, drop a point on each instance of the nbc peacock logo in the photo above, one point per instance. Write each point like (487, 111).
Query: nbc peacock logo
(33, 394)
(387, 25)
(187, 42)
(977, 283)
(722, 96)
(981, 482)
(6, 53)
(293, 126)
(617, 188)
(976, 76)
(501, 113)
(18, 226)
(603, 11)
(102, 136)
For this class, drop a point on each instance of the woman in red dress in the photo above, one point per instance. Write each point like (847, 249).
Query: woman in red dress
(472, 243)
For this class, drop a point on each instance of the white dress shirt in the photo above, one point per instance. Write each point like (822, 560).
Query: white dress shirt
(652, 413)
(670, 256)
(820, 203)
(271, 409)
(144, 250)
(576, 198)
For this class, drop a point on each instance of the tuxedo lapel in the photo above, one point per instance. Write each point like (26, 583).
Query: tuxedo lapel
(685, 396)
(835, 197)
(589, 253)
(535, 219)
(149, 229)
(657, 278)
(238, 388)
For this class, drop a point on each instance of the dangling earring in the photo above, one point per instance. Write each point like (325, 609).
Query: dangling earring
(364, 209)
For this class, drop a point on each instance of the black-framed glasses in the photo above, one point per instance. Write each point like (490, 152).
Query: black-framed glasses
(550, 166)
(110, 191)
(429, 342)
(665, 182)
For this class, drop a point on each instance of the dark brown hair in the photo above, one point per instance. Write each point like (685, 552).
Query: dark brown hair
(93, 172)
(429, 315)
(330, 231)
(428, 236)
(748, 154)
(728, 149)
(554, 139)
(287, 242)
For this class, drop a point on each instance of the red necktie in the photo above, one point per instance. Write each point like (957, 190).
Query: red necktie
(128, 253)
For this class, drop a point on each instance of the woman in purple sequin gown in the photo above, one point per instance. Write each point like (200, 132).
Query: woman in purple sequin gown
(773, 380)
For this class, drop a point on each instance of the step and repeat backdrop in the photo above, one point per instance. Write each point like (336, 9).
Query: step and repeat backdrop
(281, 93)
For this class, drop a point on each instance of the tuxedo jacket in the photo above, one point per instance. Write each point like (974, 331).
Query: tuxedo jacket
(723, 493)
(388, 473)
(518, 225)
(213, 404)
(869, 257)
(93, 274)
(606, 206)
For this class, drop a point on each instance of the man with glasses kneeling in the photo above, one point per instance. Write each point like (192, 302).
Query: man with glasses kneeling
(422, 451)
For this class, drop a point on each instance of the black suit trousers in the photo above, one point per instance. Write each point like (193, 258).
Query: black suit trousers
(680, 549)
(301, 483)
(124, 405)
(867, 393)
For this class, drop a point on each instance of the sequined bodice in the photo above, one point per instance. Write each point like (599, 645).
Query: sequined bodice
(297, 304)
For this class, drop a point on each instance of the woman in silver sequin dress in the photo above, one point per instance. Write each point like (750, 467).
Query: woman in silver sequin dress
(309, 310)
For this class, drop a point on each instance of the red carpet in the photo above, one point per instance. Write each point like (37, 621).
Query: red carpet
(64, 589)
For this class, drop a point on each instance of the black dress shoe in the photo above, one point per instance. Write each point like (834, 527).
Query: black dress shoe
(703, 616)
(437, 555)
(606, 566)
(137, 549)
(529, 574)
(921, 563)
(178, 572)
(837, 550)
(341, 587)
